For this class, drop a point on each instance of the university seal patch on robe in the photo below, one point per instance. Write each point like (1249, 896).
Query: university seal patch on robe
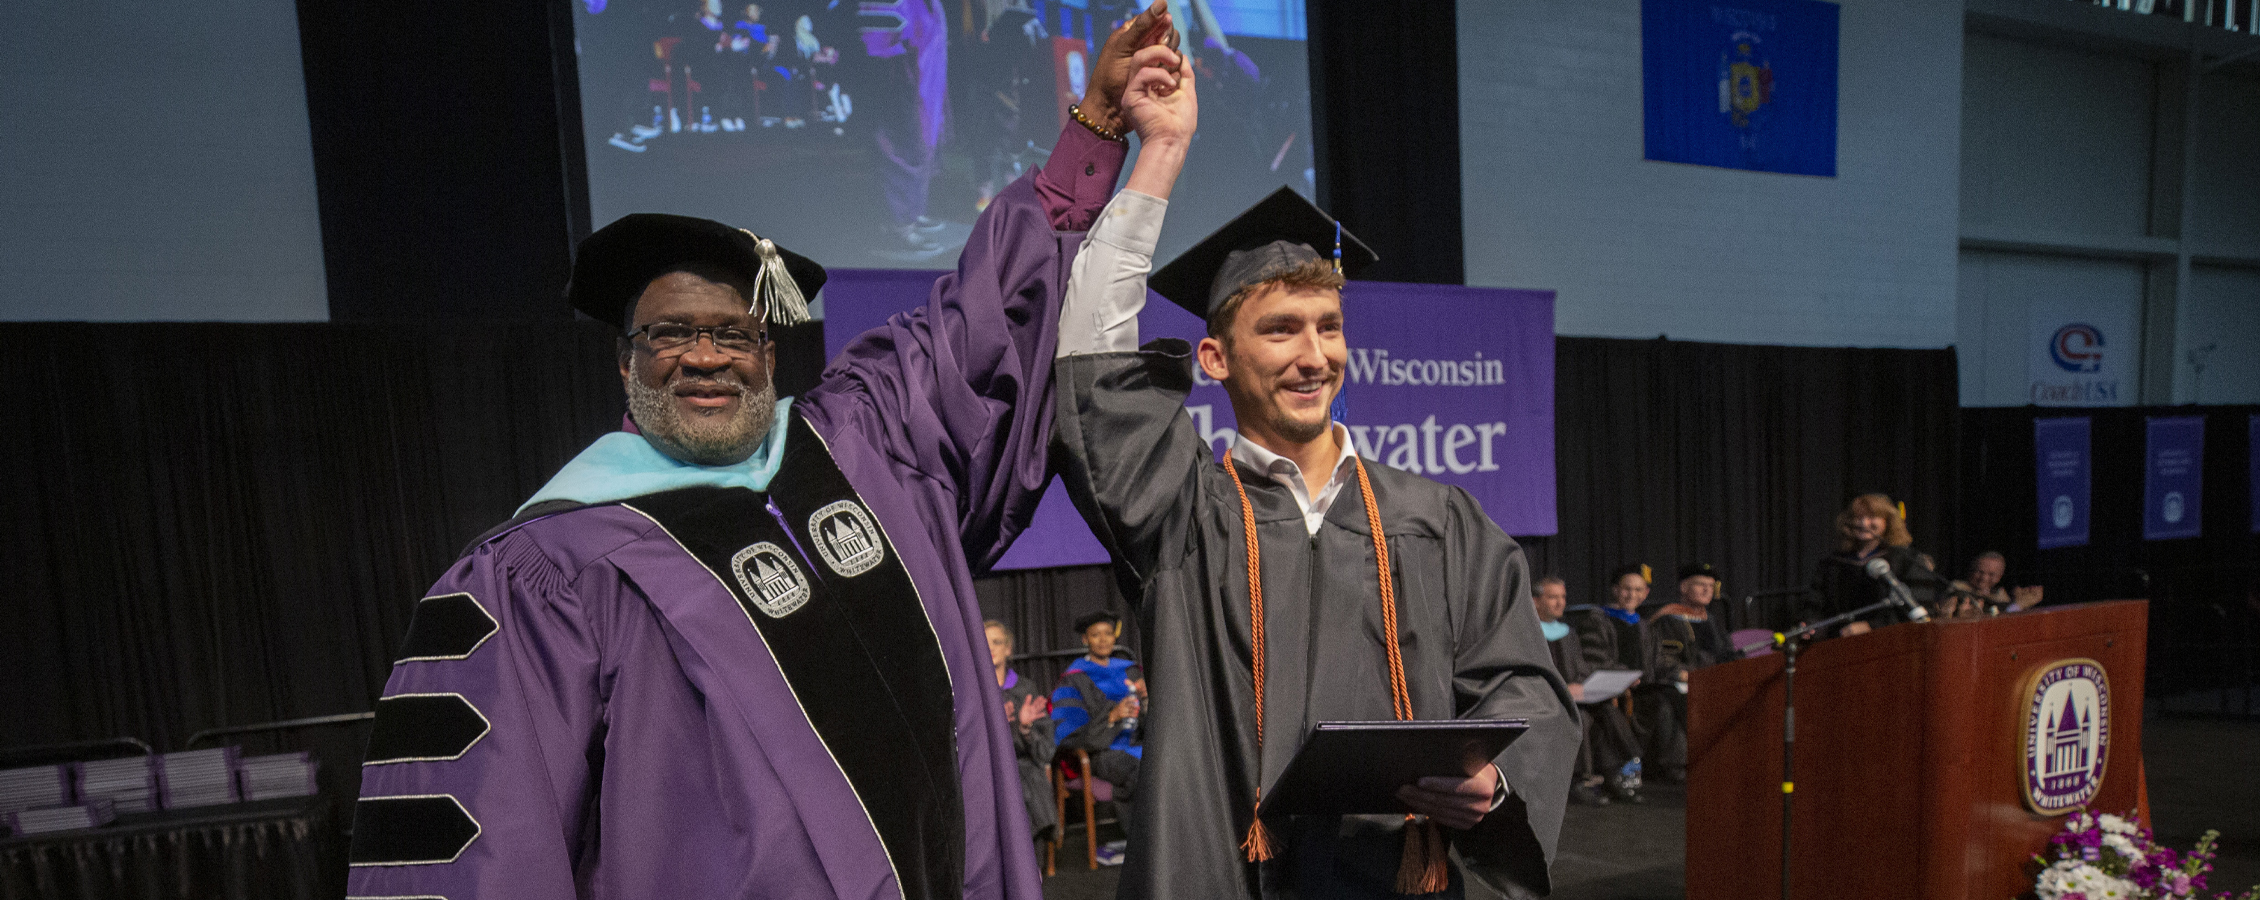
(833, 604)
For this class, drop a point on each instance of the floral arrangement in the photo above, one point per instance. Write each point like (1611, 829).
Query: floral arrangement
(2107, 857)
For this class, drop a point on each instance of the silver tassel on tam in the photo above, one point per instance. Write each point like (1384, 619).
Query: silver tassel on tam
(776, 291)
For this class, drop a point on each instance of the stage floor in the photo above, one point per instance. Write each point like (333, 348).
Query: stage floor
(2202, 775)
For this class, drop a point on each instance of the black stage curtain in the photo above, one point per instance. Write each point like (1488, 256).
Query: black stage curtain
(218, 525)
(448, 162)
(1671, 452)
(1385, 119)
(2204, 591)
(225, 524)
(215, 525)
(1041, 606)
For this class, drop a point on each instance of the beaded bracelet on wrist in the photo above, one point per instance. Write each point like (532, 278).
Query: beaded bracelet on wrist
(1076, 110)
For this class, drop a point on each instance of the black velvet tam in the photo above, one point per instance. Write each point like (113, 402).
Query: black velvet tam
(613, 266)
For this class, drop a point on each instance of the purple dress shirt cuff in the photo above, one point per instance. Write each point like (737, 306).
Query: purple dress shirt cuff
(1076, 182)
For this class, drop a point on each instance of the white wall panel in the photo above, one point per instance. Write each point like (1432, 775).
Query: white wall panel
(2226, 216)
(157, 163)
(2220, 324)
(2057, 141)
(1556, 193)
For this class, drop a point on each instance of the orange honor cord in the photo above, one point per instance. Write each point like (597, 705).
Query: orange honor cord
(1257, 845)
(1425, 867)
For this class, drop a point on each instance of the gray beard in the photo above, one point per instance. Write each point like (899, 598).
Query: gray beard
(703, 442)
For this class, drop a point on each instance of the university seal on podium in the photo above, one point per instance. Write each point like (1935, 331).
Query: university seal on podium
(2067, 735)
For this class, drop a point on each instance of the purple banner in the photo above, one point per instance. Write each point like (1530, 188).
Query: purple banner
(2172, 487)
(1450, 382)
(2060, 475)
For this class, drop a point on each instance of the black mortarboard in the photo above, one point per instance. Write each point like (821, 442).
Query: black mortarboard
(1089, 619)
(613, 266)
(1702, 568)
(1270, 238)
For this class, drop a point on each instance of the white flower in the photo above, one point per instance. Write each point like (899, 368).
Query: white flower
(2118, 843)
(2116, 824)
(2068, 876)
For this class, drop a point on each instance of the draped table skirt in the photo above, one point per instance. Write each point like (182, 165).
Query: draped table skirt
(252, 851)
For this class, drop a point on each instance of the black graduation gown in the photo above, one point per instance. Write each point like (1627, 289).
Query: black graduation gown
(1032, 750)
(1154, 493)
(1609, 738)
(1611, 643)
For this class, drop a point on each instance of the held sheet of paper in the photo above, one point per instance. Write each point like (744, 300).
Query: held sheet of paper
(1608, 683)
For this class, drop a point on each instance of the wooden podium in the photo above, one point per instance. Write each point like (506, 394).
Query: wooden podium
(1910, 757)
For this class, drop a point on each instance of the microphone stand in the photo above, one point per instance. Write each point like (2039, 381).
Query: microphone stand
(1750, 607)
(1791, 644)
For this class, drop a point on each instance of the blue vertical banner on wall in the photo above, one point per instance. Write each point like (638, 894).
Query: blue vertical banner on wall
(2174, 457)
(1742, 84)
(2060, 472)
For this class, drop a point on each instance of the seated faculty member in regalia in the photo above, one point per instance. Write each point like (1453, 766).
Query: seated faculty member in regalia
(1262, 583)
(732, 650)
(1610, 743)
(1613, 636)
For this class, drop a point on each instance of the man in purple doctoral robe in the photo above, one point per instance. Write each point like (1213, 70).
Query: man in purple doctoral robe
(733, 650)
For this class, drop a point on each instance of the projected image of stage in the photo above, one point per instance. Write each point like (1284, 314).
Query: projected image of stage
(870, 134)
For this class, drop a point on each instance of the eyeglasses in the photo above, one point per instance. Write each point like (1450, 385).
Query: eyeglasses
(674, 338)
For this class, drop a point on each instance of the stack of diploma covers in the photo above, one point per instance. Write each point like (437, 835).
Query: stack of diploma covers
(1606, 684)
(34, 787)
(94, 813)
(129, 782)
(1355, 768)
(278, 775)
(199, 777)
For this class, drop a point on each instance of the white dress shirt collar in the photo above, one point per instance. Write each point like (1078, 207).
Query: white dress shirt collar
(1286, 472)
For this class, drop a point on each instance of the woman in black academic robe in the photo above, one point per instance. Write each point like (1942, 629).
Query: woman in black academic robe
(1868, 528)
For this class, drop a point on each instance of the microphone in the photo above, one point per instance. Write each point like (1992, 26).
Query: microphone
(1880, 570)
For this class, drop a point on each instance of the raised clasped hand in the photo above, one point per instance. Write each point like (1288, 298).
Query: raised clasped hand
(1117, 61)
(1160, 101)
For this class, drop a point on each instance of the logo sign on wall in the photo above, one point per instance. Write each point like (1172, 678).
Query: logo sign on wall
(2075, 362)
(1454, 383)
(2174, 457)
(1749, 84)
(2067, 735)
(2060, 469)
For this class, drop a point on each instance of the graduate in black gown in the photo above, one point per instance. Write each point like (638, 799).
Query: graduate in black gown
(1258, 583)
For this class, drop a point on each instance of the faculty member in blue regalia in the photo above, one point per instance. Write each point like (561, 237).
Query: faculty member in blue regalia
(1096, 709)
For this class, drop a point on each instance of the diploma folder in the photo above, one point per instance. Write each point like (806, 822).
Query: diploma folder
(1355, 768)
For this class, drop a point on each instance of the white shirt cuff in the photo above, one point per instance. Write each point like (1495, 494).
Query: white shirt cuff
(1106, 286)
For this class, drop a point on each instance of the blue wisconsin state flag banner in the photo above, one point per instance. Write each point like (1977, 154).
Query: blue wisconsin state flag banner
(1741, 84)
